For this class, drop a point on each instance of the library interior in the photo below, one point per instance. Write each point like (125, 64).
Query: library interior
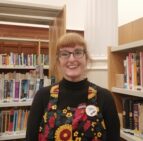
(30, 62)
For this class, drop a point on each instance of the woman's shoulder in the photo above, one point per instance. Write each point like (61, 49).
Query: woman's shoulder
(100, 90)
(104, 96)
(44, 91)
(47, 88)
(43, 95)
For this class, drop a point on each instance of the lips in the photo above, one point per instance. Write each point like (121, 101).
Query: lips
(72, 66)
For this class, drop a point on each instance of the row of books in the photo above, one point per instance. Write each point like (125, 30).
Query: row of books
(132, 114)
(133, 71)
(15, 59)
(13, 120)
(22, 89)
(38, 72)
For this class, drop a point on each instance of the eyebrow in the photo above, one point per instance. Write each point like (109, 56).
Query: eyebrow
(65, 49)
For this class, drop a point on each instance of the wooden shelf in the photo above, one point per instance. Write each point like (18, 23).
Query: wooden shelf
(129, 137)
(127, 92)
(128, 46)
(16, 104)
(130, 42)
(30, 13)
(6, 136)
(22, 39)
(46, 67)
(22, 67)
(37, 15)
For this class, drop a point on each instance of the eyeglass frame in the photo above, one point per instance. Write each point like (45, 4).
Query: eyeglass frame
(73, 53)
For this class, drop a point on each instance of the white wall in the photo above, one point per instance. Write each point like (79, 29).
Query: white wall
(75, 11)
(129, 10)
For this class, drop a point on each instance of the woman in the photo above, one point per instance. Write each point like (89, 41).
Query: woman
(73, 109)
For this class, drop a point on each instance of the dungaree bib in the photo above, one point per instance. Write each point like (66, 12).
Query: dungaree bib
(83, 123)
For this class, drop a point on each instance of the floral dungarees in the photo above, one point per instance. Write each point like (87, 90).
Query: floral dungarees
(84, 123)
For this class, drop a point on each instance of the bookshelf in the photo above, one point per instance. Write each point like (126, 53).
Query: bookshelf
(116, 57)
(18, 40)
(14, 136)
(18, 104)
(127, 92)
(129, 137)
(22, 46)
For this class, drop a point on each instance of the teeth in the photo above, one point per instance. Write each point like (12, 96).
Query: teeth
(71, 67)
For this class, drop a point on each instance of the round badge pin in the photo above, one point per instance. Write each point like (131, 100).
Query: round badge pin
(91, 110)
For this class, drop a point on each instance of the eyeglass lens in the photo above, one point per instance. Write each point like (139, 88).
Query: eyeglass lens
(77, 53)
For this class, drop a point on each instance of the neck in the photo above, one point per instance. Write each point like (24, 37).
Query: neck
(75, 79)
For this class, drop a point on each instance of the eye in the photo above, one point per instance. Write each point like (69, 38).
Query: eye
(77, 52)
(64, 53)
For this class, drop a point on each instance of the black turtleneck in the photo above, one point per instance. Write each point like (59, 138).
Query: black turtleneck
(72, 94)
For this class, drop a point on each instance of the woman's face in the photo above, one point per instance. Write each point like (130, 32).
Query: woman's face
(73, 62)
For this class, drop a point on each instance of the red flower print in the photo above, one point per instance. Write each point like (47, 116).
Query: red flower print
(87, 125)
(49, 106)
(41, 137)
(65, 135)
(95, 139)
(77, 117)
(84, 117)
(46, 132)
(52, 121)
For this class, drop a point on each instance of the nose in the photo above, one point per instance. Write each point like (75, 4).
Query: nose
(71, 57)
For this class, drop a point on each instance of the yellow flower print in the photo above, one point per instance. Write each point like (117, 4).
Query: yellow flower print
(69, 114)
(64, 132)
(54, 89)
(54, 95)
(91, 96)
(68, 108)
(64, 111)
(93, 124)
(54, 107)
(75, 134)
(78, 139)
(97, 120)
(40, 129)
(99, 134)
(91, 93)
(92, 129)
(55, 115)
(103, 124)
(45, 117)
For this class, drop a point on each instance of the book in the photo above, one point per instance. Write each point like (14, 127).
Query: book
(24, 89)
(10, 127)
(17, 90)
(125, 103)
(32, 88)
(131, 119)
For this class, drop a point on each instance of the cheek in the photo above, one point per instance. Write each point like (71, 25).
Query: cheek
(61, 64)
(84, 63)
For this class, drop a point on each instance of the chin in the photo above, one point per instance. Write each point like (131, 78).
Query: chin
(74, 77)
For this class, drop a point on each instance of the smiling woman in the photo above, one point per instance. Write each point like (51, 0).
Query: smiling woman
(73, 109)
(72, 57)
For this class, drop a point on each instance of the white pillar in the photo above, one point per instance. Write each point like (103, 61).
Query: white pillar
(101, 25)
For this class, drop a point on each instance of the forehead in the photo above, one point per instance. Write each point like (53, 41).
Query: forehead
(72, 47)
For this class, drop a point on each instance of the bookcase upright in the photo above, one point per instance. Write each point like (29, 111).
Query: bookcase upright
(131, 41)
(18, 12)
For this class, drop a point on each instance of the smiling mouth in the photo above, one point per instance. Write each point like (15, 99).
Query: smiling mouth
(72, 67)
